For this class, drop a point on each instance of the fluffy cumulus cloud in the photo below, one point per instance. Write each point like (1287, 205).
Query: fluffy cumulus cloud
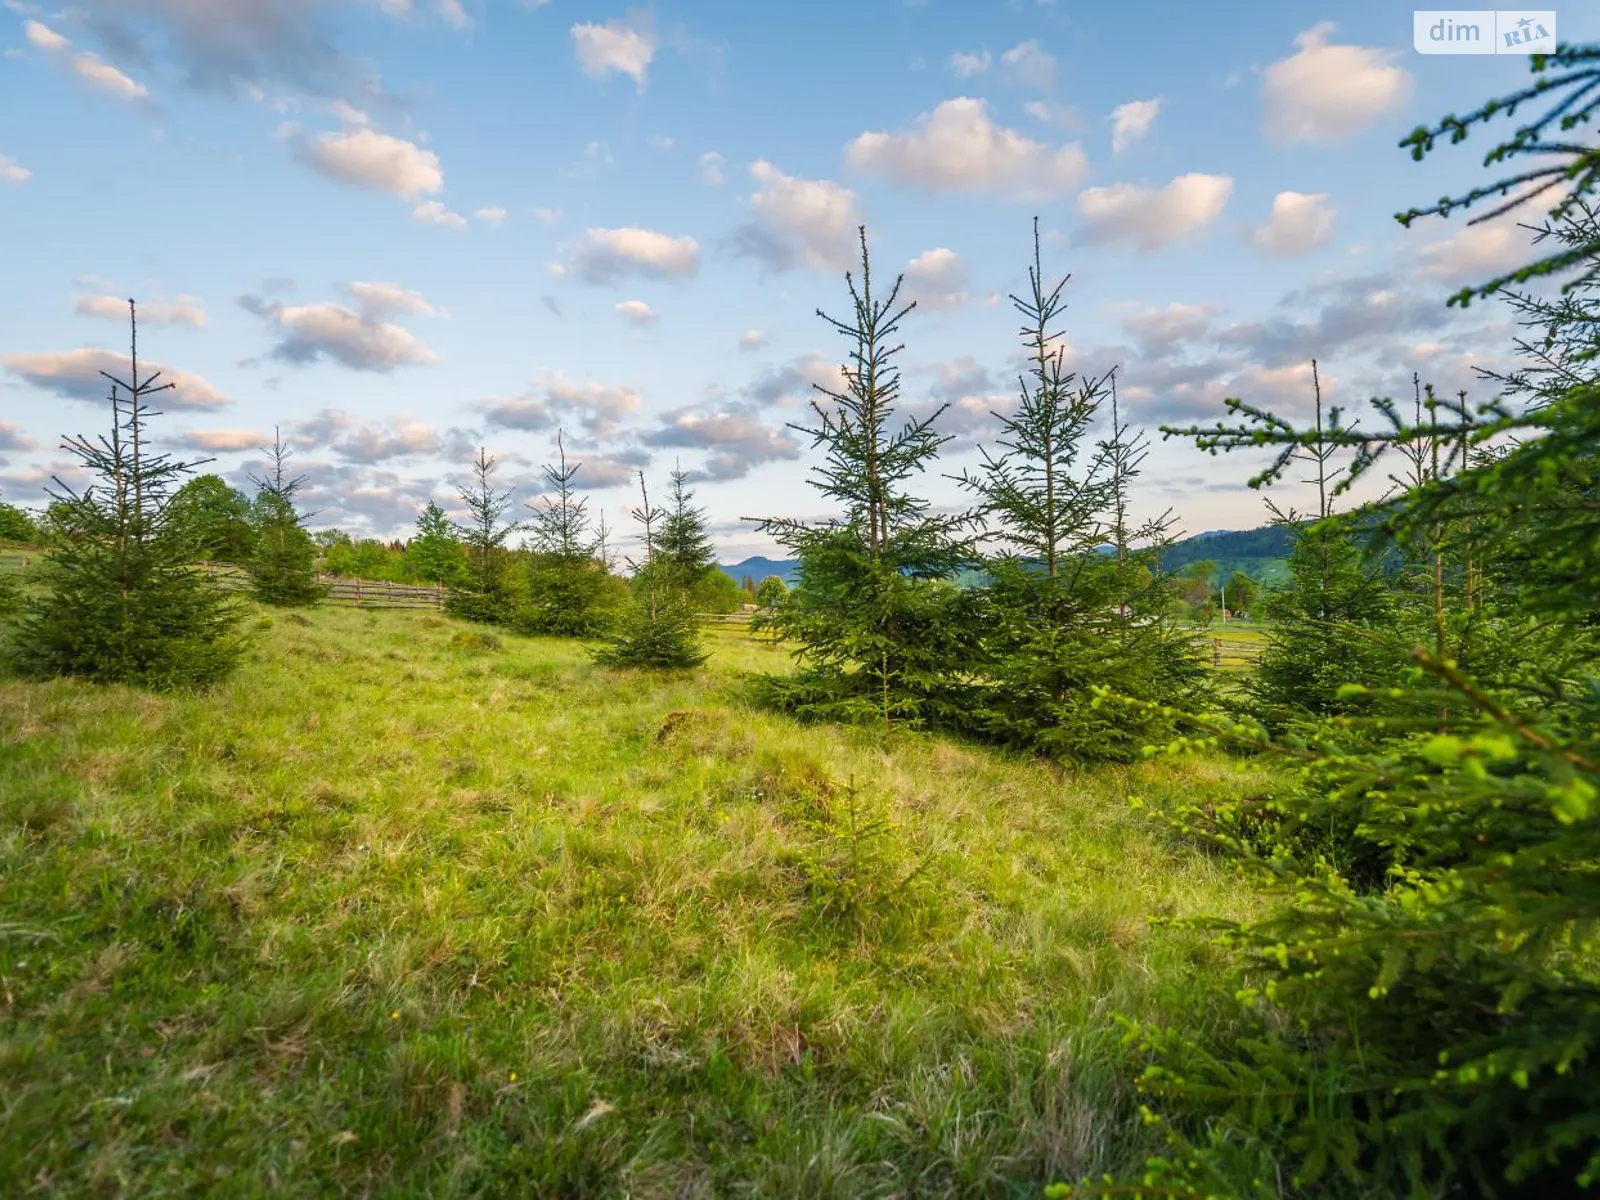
(1475, 253)
(736, 440)
(219, 441)
(599, 409)
(1131, 121)
(362, 341)
(11, 171)
(1150, 218)
(608, 256)
(969, 395)
(1299, 223)
(403, 437)
(637, 313)
(86, 65)
(493, 216)
(184, 310)
(75, 375)
(798, 221)
(936, 278)
(752, 339)
(619, 47)
(958, 148)
(365, 158)
(380, 300)
(1325, 93)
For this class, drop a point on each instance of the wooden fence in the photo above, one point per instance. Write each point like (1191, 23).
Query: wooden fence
(1235, 654)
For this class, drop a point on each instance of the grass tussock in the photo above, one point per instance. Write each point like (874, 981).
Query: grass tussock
(396, 910)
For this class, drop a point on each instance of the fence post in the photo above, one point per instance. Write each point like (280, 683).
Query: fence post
(1216, 652)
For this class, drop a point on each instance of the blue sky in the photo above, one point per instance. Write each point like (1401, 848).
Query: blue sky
(400, 229)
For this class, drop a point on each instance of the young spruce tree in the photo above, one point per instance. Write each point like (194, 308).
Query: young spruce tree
(118, 599)
(282, 566)
(569, 590)
(660, 627)
(1056, 626)
(486, 592)
(879, 631)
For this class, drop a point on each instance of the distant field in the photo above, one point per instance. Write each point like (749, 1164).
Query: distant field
(385, 914)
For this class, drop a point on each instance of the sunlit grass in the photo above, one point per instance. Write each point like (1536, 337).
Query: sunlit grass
(385, 914)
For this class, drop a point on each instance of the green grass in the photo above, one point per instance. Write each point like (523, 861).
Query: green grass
(390, 915)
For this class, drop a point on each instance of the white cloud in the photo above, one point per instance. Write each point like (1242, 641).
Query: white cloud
(936, 278)
(12, 171)
(44, 37)
(617, 47)
(432, 212)
(358, 340)
(1028, 65)
(387, 299)
(403, 438)
(86, 65)
(490, 216)
(1299, 223)
(548, 216)
(610, 255)
(752, 339)
(1131, 121)
(662, 142)
(957, 147)
(637, 313)
(1475, 253)
(1048, 113)
(598, 407)
(365, 158)
(221, 440)
(711, 169)
(1325, 93)
(75, 374)
(1158, 329)
(966, 65)
(810, 221)
(184, 310)
(1149, 217)
(454, 15)
(738, 441)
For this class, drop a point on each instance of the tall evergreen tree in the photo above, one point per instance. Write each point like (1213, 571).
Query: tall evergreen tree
(876, 626)
(659, 627)
(118, 597)
(486, 593)
(282, 566)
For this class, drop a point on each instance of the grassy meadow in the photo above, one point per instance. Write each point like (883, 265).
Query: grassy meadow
(394, 911)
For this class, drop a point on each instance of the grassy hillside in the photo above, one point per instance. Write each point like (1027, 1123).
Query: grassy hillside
(388, 913)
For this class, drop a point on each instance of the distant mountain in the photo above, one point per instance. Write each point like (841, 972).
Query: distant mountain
(759, 568)
(1262, 554)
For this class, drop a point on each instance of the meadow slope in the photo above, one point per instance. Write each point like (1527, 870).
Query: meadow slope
(387, 914)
